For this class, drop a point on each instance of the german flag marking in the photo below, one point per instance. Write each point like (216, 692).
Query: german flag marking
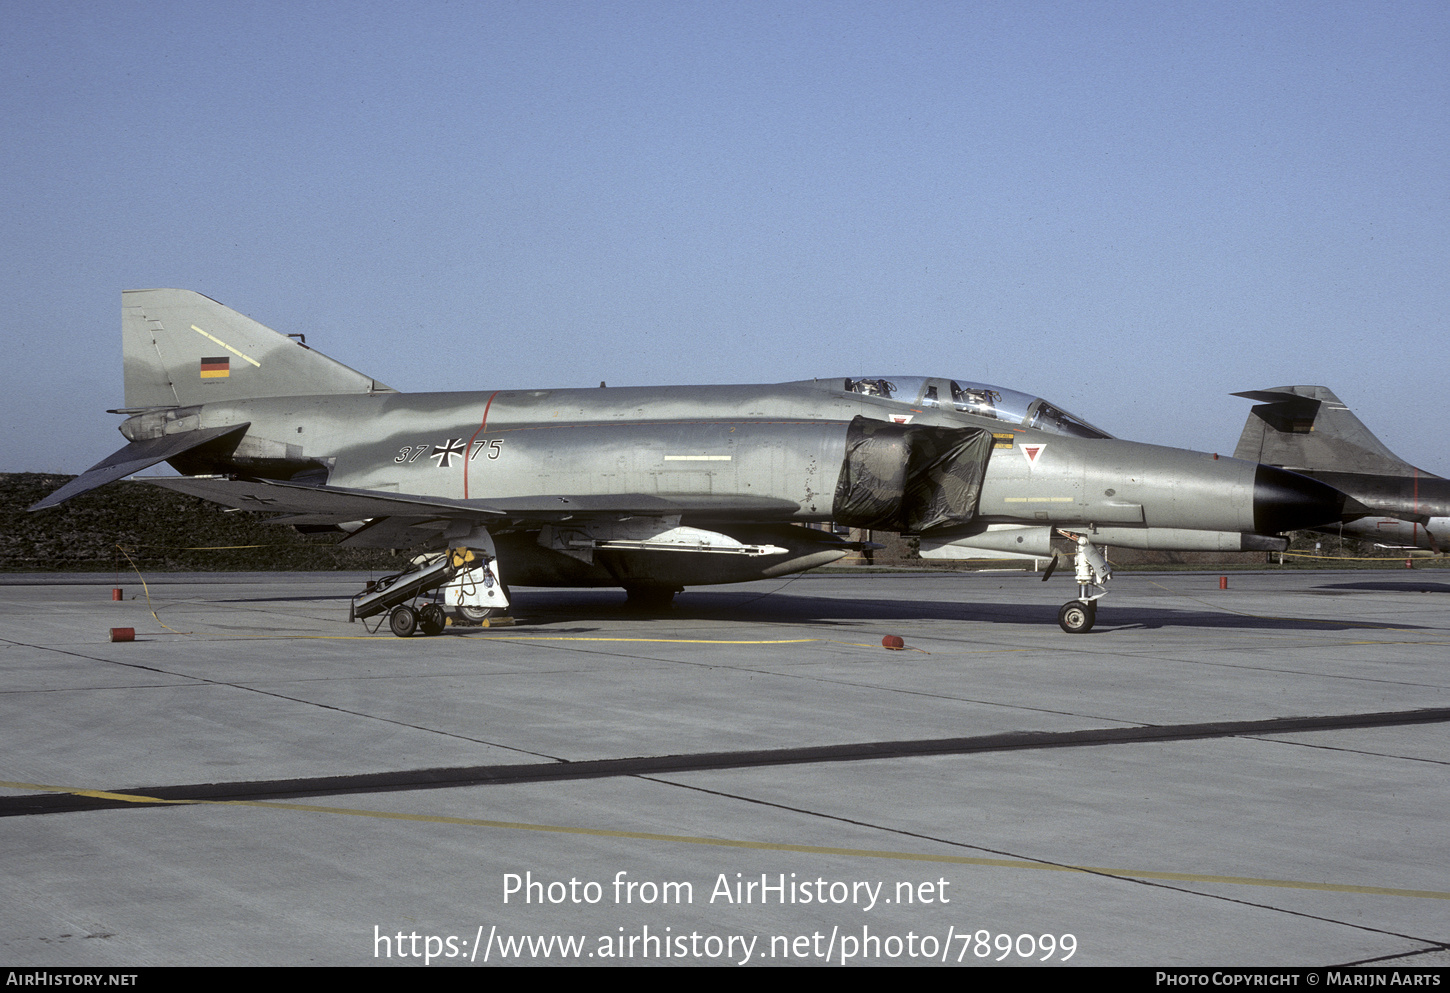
(216, 368)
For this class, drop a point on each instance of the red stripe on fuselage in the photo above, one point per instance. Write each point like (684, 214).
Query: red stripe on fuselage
(468, 452)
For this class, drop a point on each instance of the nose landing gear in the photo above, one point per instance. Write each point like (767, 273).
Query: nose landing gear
(1092, 571)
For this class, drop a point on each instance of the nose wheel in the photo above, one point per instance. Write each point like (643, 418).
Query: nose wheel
(1077, 616)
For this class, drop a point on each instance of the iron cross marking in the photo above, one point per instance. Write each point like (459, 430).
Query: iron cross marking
(445, 452)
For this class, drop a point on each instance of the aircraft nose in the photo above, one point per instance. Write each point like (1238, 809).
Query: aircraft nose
(1287, 501)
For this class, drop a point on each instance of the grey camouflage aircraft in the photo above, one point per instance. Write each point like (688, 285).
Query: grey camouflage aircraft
(657, 488)
(1308, 430)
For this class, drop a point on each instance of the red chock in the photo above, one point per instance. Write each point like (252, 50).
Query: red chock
(1223, 582)
(123, 634)
(893, 642)
(116, 593)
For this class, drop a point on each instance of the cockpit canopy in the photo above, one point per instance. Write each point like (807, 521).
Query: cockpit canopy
(924, 392)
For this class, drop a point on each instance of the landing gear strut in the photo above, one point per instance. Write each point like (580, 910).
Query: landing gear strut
(1092, 571)
(478, 594)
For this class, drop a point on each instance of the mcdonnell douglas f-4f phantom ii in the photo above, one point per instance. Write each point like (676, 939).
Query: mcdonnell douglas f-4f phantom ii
(657, 488)
(1308, 430)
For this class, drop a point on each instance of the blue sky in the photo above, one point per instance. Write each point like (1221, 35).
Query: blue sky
(1133, 209)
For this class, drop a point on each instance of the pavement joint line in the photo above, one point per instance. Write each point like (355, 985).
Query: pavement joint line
(560, 770)
(768, 846)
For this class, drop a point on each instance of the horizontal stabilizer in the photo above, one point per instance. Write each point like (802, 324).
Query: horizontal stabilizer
(133, 458)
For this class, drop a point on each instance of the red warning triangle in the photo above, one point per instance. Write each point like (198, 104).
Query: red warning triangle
(1032, 452)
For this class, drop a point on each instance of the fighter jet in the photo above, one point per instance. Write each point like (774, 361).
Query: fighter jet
(1308, 429)
(655, 488)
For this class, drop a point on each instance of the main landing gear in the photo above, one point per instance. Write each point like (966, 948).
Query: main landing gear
(1092, 571)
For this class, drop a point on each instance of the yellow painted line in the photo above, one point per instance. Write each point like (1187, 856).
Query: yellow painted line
(214, 548)
(372, 637)
(769, 846)
(665, 641)
(878, 646)
(499, 637)
(283, 637)
(1394, 642)
(1039, 499)
(229, 348)
(209, 548)
(697, 458)
(98, 794)
(940, 654)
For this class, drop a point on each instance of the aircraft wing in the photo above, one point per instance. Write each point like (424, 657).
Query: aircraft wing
(339, 504)
(395, 532)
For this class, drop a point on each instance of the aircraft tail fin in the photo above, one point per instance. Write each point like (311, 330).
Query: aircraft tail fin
(1308, 428)
(182, 348)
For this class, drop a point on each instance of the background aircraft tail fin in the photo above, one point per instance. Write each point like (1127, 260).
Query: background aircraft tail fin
(182, 348)
(1308, 428)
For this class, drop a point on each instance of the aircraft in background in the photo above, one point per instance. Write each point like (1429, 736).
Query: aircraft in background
(657, 488)
(1308, 430)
